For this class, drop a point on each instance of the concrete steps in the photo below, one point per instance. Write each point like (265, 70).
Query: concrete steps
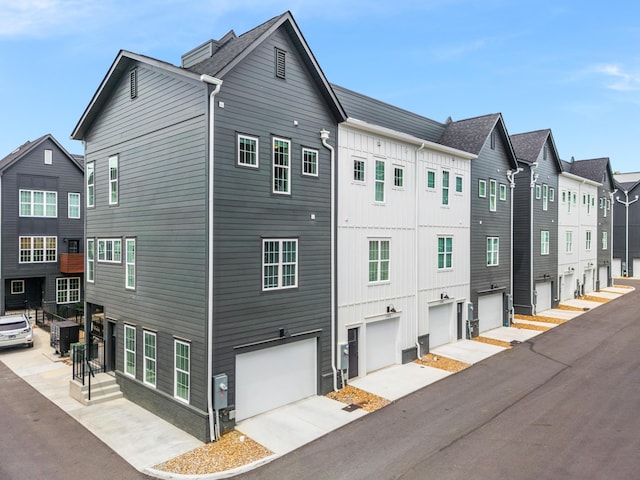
(103, 388)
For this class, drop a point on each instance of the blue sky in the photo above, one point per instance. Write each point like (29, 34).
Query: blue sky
(571, 66)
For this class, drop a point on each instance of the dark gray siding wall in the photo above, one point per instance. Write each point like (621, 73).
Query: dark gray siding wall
(30, 172)
(160, 138)
(605, 222)
(491, 164)
(522, 241)
(620, 229)
(258, 104)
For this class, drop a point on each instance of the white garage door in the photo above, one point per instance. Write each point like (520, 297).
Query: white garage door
(636, 267)
(543, 290)
(273, 377)
(568, 287)
(490, 311)
(381, 344)
(616, 270)
(588, 281)
(440, 325)
(603, 277)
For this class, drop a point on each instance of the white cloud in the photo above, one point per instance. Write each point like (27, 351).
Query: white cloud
(620, 79)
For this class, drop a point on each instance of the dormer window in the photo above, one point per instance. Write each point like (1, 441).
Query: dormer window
(281, 57)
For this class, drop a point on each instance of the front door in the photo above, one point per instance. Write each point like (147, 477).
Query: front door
(111, 338)
(352, 337)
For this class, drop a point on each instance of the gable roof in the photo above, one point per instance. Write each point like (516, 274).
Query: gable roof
(29, 145)
(471, 134)
(529, 145)
(595, 169)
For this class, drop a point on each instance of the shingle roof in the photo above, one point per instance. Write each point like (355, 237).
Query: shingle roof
(470, 134)
(29, 145)
(528, 145)
(594, 169)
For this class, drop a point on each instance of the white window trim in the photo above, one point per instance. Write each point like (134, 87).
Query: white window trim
(69, 205)
(91, 184)
(538, 192)
(44, 249)
(114, 188)
(605, 241)
(286, 168)
(491, 253)
(587, 241)
(482, 188)
(493, 195)
(146, 358)
(67, 289)
(45, 204)
(91, 260)
(128, 351)
(378, 261)
(402, 169)
(455, 187)
(445, 253)
(254, 139)
(377, 181)
(545, 197)
(130, 265)
(177, 342)
(446, 188)
(316, 153)
(435, 179)
(364, 171)
(48, 156)
(18, 291)
(280, 284)
(503, 192)
(105, 242)
(568, 241)
(543, 243)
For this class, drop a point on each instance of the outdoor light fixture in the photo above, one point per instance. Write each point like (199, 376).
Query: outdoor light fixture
(391, 308)
(444, 296)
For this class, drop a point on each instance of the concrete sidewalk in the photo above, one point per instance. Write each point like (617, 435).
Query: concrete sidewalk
(145, 440)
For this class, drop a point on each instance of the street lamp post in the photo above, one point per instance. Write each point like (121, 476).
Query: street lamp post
(626, 203)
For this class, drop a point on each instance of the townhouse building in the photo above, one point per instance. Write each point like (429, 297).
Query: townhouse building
(626, 225)
(41, 227)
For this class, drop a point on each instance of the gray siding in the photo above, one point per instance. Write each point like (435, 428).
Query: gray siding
(620, 229)
(605, 223)
(522, 241)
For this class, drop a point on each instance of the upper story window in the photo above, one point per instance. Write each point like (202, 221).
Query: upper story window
(281, 63)
(73, 205)
(398, 177)
(568, 241)
(431, 179)
(38, 249)
(68, 289)
(248, 151)
(378, 261)
(445, 187)
(91, 260)
(493, 186)
(110, 250)
(358, 171)
(538, 192)
(113, 180)
(588, 240)
(493, 140)
(48, 157)
(309, 162)
(90, 184)
(130, 262)
(36, 203)
(493, 251)
(445, 253)
(379, 197)
(545, 197)
(544, 242)
(552, 194)
(482, 188)
(503, 192)
(458, 184)
(605, 240)
(279, 264)
(281, 166)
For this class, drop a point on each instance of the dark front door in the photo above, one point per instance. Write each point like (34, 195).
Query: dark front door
(111, 338)
(352, 335)
(459, 313)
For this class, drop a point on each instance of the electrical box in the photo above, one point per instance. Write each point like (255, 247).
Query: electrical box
(343, 350)
(220, 391)
(469, 311)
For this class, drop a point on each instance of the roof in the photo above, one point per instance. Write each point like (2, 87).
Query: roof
(595, 169)
(29, 145)
(529, 145)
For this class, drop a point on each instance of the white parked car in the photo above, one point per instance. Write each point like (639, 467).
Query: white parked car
(15, 330)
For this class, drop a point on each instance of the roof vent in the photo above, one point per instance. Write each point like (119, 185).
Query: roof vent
(281, 58)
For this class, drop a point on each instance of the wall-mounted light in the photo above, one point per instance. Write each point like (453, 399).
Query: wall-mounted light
(64, 239)
(391, 308)
(284, 332)
(494, 286)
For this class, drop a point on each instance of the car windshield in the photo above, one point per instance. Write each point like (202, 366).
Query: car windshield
(5, 327)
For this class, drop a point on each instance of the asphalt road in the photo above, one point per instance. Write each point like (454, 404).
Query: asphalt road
(564, 405)
(40, 441)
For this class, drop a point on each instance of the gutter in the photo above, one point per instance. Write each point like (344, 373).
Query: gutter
(214, 427)
(417, 252)
(511, 176)
(532, 184)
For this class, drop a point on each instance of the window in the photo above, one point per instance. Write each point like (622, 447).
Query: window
(445, 187)
(110, 250)
(281, 150)
(90, 185)
(48, 157)
(379, 181)
(445, 252)
(588, 240)
(544, 242)
(38, 249)
(569, 203)
(17, 287)
(482, 188)
(309, 162)
(458, 184)
(182, 370)
(431, 179)
(36, 203)
(538, 192)
(493, 249)
(130, 350)
(149, 339)
(604, 241)
(113, 180)
(133, 83)
(503, 192)
(130, 261)
(493, 140)
(568, 241)
(279, 264)
(492, 195)
(358, 171)
(552, 194)
(280, 63)
(398, 177)
(563, 197)
(378, 261)
(91, 272)
(545, 197)
(247, 151)
(73, 206)
(74, 246)
(68, 289)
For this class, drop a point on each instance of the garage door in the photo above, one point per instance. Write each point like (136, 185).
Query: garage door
(616, 270)
(543, 290)
(588, 281)
(381, 344)
(273, 377)
(440, 325)
(636, 267)
(568, 287)
(490, 311)
(603, 276)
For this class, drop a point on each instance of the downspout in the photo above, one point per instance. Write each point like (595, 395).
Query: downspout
(417, 253)
(511, 176)
(610, 275)
(214, 426)
(532, 184)
(324, 136)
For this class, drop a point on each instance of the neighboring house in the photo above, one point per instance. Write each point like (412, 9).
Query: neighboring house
(403, 237)
(577, 234)
(209, 226)
(493, 177)
(535, 252)
(599, 170)
(41, 227)
(626, 225)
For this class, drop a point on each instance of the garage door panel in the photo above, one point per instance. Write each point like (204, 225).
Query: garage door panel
(439, 325)
(381, 344)
(543, 290)
(636, 267)
(275, 376)
(603, 277)
(490, 311)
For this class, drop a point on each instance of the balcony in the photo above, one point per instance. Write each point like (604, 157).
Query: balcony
(72, 263)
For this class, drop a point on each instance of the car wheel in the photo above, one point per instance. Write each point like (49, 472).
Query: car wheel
(30, 345)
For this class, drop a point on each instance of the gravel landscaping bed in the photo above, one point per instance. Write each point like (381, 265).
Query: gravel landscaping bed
(354, 396)
(540, 318)
(570, 308)
(592, 298)
(443, 363)
(492, 341)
